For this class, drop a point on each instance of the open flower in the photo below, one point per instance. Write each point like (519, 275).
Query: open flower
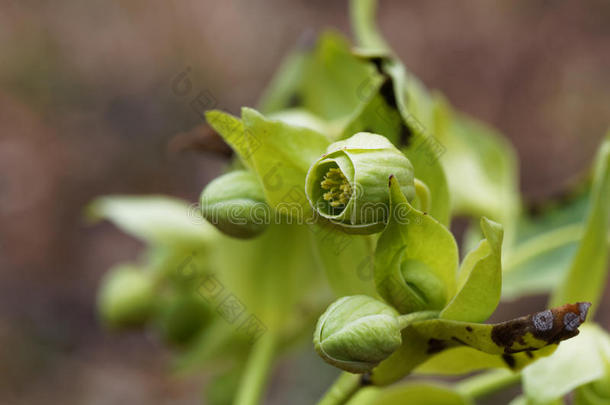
(348, 185)
(357, 332)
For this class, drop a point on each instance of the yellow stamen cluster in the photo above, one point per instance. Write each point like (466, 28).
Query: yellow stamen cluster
(339, 189)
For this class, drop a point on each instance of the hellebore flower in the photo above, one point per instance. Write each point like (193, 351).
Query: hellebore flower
(235, 204)
(349, 184)
(357, 332)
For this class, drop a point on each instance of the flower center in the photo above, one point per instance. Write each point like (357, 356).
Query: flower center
(339, 189)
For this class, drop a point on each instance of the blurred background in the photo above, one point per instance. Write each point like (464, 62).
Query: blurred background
(87, 109)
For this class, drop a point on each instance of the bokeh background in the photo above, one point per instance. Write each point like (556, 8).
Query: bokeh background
(87, 109)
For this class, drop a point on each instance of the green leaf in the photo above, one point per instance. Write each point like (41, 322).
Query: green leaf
(527, 333)
(333, 79)
(285, 86)
(231, 129)
(412, 102)
(480, 165)
(575, 362)
(586, 277)
(300, 117)
(481, 170)
(375, 115)
(464, 360)
(538, 265)
(545, 246)
(416, 258)
(479, 279)
(423, 149)
(509, 341)
(281, 160)
(155, 219)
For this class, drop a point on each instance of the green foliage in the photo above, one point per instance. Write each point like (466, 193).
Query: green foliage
(586, 277)
(576, 363)
(159, 221)
(340, 128)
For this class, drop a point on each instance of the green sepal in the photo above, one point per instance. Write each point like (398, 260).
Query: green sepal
(479, 279)
(416, 258)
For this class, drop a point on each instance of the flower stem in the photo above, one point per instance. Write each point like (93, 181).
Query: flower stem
(257, 370)
(344, 388)
(487, 383)
(408, 319)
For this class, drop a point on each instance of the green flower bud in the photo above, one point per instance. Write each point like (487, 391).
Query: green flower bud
(235, 204)
(183, 318)
(126, 297)
(356, 333)
(349, 184)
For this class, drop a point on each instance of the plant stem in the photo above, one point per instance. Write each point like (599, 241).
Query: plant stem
(257, 371)
(408, 319)
(342, 390)
(487, 383)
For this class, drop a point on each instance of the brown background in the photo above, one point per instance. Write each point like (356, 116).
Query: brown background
(86, 109)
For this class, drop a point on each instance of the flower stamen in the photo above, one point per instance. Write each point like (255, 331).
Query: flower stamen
(339, 190)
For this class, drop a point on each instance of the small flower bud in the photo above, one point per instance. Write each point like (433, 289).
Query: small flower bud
(182, 318)
(126, 297)
(235, 204)
(356, 333)
(349, 184)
